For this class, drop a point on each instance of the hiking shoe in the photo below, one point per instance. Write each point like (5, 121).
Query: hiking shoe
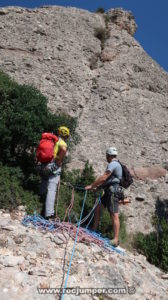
(114, 243)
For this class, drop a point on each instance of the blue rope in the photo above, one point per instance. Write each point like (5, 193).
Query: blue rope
(38, 221)
(90, 214)
(106, 241)
(99, 202)
(73, 250)
(90, 221)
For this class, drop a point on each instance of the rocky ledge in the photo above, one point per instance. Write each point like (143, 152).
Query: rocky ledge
(32, 259)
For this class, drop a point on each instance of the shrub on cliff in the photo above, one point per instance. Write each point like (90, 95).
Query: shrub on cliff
(100, 10)
(12, 192)
(155, 244)
(24, 116)
(102, 34)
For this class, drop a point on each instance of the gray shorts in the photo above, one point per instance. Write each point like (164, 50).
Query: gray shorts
(110, 200)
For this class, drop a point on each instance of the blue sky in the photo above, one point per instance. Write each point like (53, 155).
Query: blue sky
(151, 17)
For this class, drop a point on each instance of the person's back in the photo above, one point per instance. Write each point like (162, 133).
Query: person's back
(116, 171)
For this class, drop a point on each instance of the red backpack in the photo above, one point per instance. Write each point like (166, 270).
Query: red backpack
(45, 149)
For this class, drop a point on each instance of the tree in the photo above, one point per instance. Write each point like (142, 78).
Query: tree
(24, 116)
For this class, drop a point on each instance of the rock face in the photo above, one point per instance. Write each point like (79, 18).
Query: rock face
(118, 93)
(32, 259)
(124, 19)
(90, 66)
(147, 198)
(153, 172)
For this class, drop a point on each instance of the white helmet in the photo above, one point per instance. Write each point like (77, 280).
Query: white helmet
(111, 151)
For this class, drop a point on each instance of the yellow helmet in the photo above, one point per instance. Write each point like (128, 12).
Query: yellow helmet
(64, 131)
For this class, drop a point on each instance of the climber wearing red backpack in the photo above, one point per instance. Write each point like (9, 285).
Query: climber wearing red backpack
(50, 154)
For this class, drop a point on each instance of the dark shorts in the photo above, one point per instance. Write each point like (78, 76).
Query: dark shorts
(110, 200)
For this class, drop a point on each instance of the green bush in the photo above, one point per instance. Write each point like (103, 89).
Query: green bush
(155, 245)
(12, 193)
(24, 116)
(123, 231)
(100, 10)
(106, 227)
(102, 34)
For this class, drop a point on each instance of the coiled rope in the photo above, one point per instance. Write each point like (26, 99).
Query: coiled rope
(84, 235)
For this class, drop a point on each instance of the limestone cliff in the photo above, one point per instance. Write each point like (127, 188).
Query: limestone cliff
(91, 67)
(118, 93)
